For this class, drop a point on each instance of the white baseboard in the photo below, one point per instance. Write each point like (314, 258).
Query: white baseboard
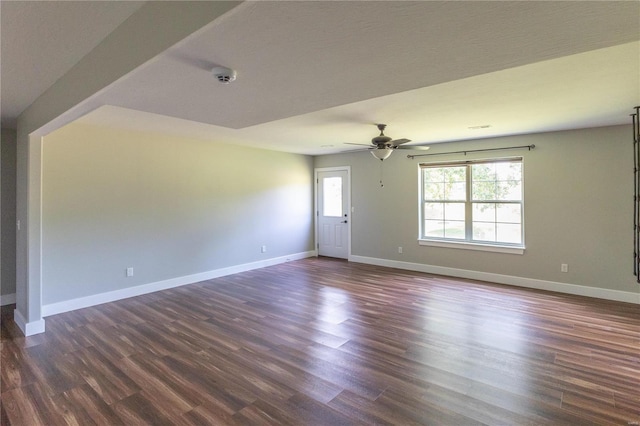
(7, 299)
(580, 290)
(111, 296)
(28, 328)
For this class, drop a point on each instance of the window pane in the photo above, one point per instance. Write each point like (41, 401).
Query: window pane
(509, 190)
(483, 172)
(484, 212)
(434, 211)
(454, 211)
(509, 233)
(332, 196)
(435, 174)
(455, 174)
(456, 191)
(434, 228)
(444, 183)
(454, 229)
(482, 191)
(509, 171)
(434, 191)
(484, 231)
(508, 213)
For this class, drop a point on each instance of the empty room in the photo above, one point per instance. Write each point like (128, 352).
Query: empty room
(320, 213)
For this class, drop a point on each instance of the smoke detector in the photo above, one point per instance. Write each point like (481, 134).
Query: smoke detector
(224, 75)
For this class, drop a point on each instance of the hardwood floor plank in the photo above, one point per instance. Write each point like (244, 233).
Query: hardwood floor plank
(83, 406)
(161, 390)
(328, 342)
(15, 373)
(103, 376)
(205, 415)
(597, 410)
(465, 412)
(208, 370)
(261, 413)
(269, 365)
(30, 405)
(311, 412)
(629, 403)
(138, 409)
(108, 341)
(362, 410)
(212, 393)
(338, 369)
(56, 372)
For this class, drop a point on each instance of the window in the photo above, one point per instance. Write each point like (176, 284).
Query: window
(473, 202)
(332, 197)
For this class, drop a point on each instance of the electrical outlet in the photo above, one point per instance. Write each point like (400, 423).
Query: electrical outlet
(129, 272)
(263, 249)
(564, 267)
(400, 250)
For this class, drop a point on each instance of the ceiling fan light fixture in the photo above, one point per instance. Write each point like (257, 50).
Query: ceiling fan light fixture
(381, 153)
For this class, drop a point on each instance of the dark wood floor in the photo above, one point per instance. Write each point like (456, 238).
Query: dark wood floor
(325, 342)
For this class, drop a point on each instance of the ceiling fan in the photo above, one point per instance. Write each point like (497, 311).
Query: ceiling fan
(382, 145)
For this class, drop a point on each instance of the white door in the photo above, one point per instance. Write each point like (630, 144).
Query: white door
(333, 213)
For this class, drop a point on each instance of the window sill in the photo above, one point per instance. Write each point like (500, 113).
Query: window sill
(465, 245)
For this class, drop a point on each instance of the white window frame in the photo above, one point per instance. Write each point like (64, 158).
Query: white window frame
(468, 243)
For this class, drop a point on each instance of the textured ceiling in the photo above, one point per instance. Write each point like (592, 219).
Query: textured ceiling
(313, 75)
(590, 89)
(42, 40)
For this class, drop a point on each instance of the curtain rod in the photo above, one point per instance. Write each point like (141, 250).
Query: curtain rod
(529, 147)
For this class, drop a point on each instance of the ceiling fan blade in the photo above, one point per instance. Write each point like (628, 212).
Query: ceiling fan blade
(397, 142)
(360, 144)
(414, 147)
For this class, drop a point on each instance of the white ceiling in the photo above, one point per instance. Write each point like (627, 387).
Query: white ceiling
(313, 75)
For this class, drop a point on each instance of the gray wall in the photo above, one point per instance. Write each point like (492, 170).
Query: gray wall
(168, 207)
(8, 209)
(172, 207)
(578, 208)
(133, 43)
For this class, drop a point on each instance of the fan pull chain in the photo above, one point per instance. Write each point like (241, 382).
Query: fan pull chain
(381, 174)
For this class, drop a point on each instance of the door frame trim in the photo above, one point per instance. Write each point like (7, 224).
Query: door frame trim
(316, 171)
